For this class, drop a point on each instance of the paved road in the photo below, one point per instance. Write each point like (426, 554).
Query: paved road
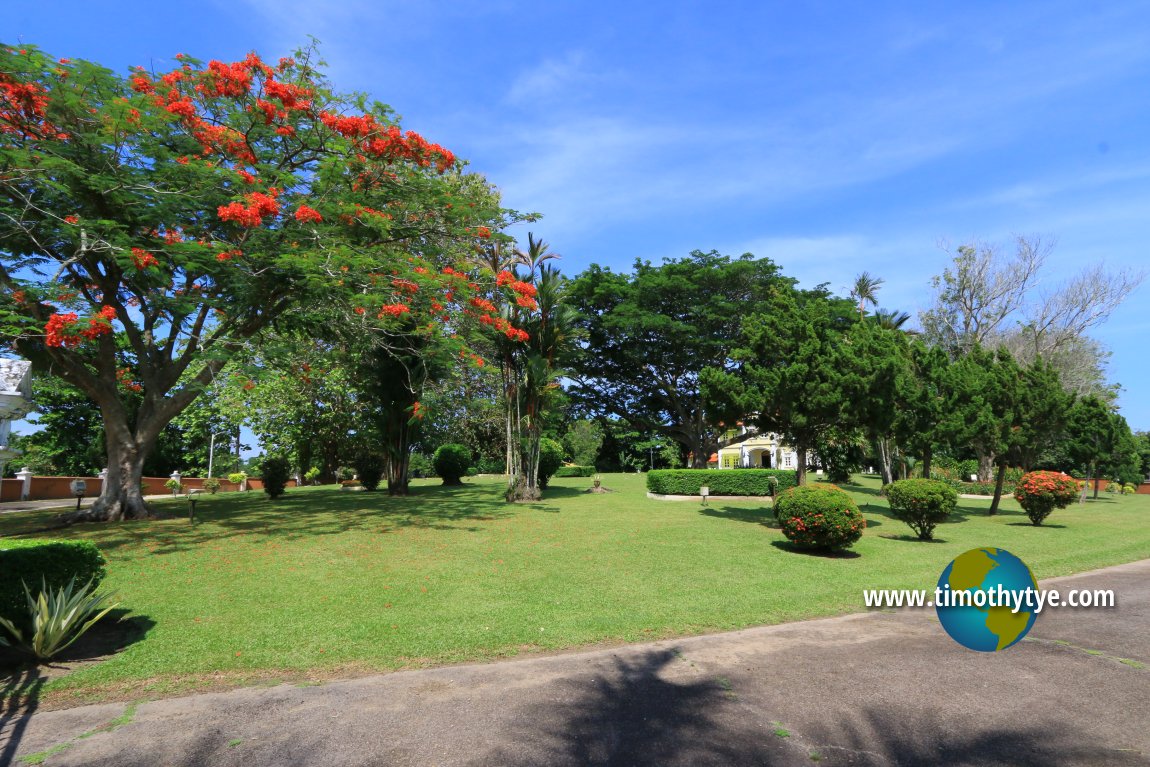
(872, 689)
(63, 504)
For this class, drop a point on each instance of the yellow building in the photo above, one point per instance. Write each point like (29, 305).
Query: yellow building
(755, 451)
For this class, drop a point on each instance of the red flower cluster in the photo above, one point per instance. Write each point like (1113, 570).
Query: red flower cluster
(60, 330)
(232, 80)
(483, 304)
(252, 214)
(389, 142)
(57, 330)
(305, 214)
(482, 232)
(505, 327)
(22, 108)
(228, 255)
(524, 288)
(405, 285)
(526, 302)
(363, 210)
(142, 259)
(124, 378)
(393, 310)
(291, 96)
(73, 219)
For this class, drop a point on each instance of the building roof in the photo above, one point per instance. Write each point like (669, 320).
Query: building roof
(15, 378)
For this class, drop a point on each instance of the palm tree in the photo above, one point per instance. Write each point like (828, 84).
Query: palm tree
(536, 366)
(890, 319)
(494, 256)
(535, 255)
(865, 290)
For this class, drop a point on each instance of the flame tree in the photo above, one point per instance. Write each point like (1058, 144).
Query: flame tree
(153, 224)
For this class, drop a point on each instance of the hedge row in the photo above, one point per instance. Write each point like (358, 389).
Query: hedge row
(56, 562)
(720, 481)
(575, 471)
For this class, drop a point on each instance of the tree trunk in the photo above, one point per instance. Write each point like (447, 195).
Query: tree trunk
(699, 454)
(998, 488)
(927, 455)
(303, 453)
(801, 460)
(985, 466)
(884, 460)
(398, 452)
(1085, 487)
(120, 497)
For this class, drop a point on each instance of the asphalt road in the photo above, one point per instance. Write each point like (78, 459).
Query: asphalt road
(882, 688)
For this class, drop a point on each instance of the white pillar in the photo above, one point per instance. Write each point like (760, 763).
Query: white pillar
(25, 476)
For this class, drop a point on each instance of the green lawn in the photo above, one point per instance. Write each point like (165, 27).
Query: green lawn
(324, 583)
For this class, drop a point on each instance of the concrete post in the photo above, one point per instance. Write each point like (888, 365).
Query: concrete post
(25, 476)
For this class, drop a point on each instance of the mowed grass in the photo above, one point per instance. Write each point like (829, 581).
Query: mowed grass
(325, 583)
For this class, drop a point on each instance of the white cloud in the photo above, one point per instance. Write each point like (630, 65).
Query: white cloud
(552, 78)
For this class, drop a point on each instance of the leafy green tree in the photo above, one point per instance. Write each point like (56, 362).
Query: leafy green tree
(1002, 410)
(977, 407)
(69, 441)
(873, 361)
(921, 398)
(649, 335)
(391, 381)
(153, 224)
(1142, 441)
(583, 440)
(466, 406)
(1100, 441)
(792, 379)
(299, 398)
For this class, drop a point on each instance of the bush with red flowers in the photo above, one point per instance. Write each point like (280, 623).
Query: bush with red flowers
(1041, 492)
(819, 517)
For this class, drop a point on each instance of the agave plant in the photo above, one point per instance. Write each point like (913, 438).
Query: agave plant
(58, 618)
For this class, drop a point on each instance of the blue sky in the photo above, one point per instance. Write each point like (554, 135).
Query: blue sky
(832, 137)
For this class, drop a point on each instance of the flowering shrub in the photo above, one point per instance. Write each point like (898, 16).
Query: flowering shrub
(921, 503)
(1041, 492)
(819, 517)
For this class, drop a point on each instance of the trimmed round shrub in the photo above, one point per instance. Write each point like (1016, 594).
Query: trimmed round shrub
(369, 467)
(212, 485)
(819, 517)
(472, 471)
(550, 459)
(451, 462)
(1041, 492)
(921, 503)
(275, 472)
(237, 478)
(1129, 489)
(56, 562)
